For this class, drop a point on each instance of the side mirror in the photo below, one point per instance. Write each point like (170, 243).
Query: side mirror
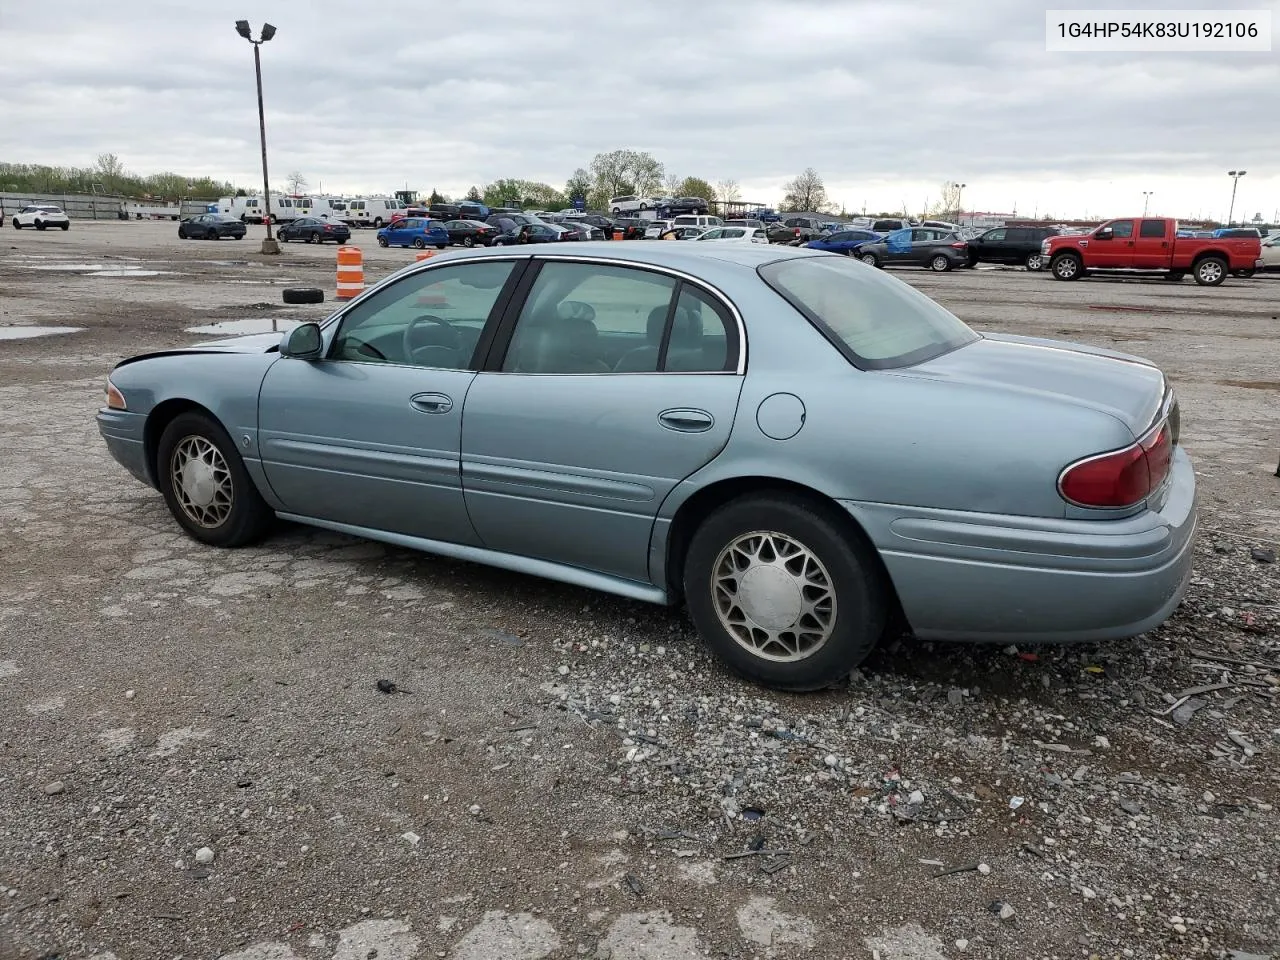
(1105, 233)
(303, 342)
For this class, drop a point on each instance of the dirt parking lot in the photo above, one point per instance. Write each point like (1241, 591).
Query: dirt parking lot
(197, 761)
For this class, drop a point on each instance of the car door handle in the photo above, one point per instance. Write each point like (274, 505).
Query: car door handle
(686, 421)
(431, 403)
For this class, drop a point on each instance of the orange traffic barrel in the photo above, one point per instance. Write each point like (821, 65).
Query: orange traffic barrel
(617, 234)
(350, 272)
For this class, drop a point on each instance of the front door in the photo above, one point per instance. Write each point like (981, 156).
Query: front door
(370, 435)
(617, 384)
(1118, 251)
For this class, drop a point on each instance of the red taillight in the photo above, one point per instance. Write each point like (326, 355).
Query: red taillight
(959, 244)
(1121, 478)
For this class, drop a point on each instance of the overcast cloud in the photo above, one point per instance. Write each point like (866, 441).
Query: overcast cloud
(885, 99)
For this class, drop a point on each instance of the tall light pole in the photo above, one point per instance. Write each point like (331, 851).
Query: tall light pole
(959, 193)
(269, 245)
(1146, 199)
(1235, 176)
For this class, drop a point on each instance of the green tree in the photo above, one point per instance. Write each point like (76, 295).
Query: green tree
(619, 172)
(696, 187)
(474, 195)
(504, 190)
(111, 170)
(435, 197)
(578, 185)
(543, 195)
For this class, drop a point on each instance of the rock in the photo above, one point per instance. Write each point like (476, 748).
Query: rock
(1007, 912)
(915, 798)
(1180, 928)
(563, 670)
(962, 945)
(55, 788)
(204, 855)
(474, 809)
(955, 696)
(410, 836)
(830, 760)
(1263, 555)
(984, 869)
(1131, 806)
(130, 694)
(1088, 893)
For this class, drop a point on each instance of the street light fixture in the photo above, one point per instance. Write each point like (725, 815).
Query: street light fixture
(1235, 176)
(269, 245)
(1146, 199)
(959, 193)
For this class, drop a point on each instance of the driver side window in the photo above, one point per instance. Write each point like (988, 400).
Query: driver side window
(429, 319)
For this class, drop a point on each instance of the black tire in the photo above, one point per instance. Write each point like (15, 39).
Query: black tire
(377, 223)
(249, 518)
(310, 238)
(940, 263)
(382, 241)
(1210, 272)
(1244, 274)
(441, 246)
(870, 259)
(419, 243)
(302, 295)
(1066, 266)
(182, 234)
(1033, 262)
(468, 241)
(856, 580)
(16, 224)
(212, 235)
(40, 224)
(67, 226)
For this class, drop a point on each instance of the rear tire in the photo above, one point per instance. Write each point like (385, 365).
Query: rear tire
(40, 224)
(784, 592)
(468, 241)
(377, 223)
(1066, 266)
(206, 486)
(1210, 272)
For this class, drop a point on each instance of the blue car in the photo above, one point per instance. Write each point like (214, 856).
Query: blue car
(415, 232)
(843, 241)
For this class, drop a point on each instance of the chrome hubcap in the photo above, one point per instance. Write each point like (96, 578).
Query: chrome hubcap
(869, 259)
(1210, 271)
(1066, 268)
(939, 263)
(773, 596)
(201, 481)
(1033, 262)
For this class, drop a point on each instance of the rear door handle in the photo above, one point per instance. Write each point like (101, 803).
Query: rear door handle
(686, 421)
(431, 403)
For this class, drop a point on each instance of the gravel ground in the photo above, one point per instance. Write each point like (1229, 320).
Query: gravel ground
(198, 761)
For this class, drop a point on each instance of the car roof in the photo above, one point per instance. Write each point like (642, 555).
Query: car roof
(676, 256)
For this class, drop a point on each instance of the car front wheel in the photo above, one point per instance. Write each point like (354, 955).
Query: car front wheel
(382, 241)
(870, 259)
(940, 264)
(66, 226)
(205, 484)
(16, 224)
(1066, 266)
(784, 592)
(1034, 261)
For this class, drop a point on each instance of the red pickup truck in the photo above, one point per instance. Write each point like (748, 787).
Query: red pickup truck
(1150, 244)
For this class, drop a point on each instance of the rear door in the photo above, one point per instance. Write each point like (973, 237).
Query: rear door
(608, 386)
(1152, 250)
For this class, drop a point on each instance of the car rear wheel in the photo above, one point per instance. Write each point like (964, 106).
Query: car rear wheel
(1210, 272)
(940, 263)
(870, 259)
(205, 484)
(1244, 274)
(419, 243)
(468, 241)
(1065, 266)
(377, 223)
(784, 592)
(312, 237)
(1034, 261)
(615, 211)
(211, 235)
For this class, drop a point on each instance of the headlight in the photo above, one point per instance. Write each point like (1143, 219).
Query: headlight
(115, 399)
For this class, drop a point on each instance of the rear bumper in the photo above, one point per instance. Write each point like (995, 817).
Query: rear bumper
(123, 433)
(991, 578)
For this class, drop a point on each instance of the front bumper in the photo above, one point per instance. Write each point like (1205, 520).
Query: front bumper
(992, 578)
(123, 433)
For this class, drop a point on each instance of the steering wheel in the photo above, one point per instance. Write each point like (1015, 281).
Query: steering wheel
(422, 321)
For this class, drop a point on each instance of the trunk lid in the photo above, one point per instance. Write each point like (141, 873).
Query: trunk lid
(1128, 388)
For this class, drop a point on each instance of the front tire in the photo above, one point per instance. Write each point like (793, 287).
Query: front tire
(1034, 262)
(382, 241)
(870, 259)
(67, 226)
(1210, 272)
(1066, 266)
(206, 486)
(16, 224)
(418, 243)
(784, 592)
(40, 224)
(940, 264)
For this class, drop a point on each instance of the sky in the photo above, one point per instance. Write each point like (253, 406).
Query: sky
(886, 99)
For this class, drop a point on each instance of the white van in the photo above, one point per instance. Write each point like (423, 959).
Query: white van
(701, 221)
(251, 209)
(373, 211)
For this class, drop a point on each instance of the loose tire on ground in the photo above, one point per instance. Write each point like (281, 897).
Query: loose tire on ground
(1066, 266)
(1210, 272)
(237, 516)
(765, 563)
(302, 295)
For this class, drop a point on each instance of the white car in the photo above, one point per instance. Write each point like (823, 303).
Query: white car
(656, 228)
(755, 224)
(630, 204)
(1271, 253)
(734, 235)
(40, 216)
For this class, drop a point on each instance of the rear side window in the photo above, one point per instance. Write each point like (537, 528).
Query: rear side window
(1152, 229)
(877, 321)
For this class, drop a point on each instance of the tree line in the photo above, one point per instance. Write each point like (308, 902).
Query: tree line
(108, 175)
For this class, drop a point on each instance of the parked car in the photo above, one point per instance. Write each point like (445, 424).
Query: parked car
(939, 250)
(997, 484)
(1271, 253)
(444, 211)
(733, 235)
(470, 233)
(603, 223)
(843, 241)
(472, 210)
(746, 222)
(630, 204)
(682, 205)
(540, 233)
(578, 230)
(701, 220)
(656, 229)
(1011, 245)
(633, 228)
(681, 233)
(884, 227)
(212, 226)
(795, 230)
(374, 211)
(414, 232)
(314, 230)
(1150, 245)
(41, 216)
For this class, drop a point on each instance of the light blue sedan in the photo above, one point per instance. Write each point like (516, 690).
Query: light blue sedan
(804, 450)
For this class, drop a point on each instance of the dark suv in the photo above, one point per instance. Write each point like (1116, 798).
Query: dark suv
(1014, 245)
(682, 205)
(795, 230)
(444, 211)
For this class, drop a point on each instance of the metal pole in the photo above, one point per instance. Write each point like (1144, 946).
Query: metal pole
(262, 130)
(1235, 181)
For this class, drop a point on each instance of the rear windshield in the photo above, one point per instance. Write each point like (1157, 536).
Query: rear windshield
(877, 321)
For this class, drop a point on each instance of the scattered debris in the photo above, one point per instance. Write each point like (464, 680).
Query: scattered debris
(205, 855)
(1263, 554)
(55, 788)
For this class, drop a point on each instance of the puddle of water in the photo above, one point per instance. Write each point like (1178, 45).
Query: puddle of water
(71, 267)
(252, 325)
(27, 333)
(129, 273)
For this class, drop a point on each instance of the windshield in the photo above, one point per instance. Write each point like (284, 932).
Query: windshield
(877, 321)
